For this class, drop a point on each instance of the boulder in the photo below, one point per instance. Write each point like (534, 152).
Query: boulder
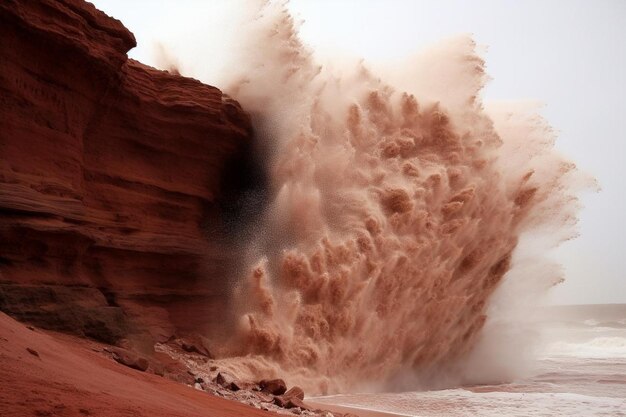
(130, 359)
(273, 386)
(294, 392)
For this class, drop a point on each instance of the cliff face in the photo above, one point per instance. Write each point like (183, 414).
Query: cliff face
(110, 179)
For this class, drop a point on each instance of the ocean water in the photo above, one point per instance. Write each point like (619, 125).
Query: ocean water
(581, 371)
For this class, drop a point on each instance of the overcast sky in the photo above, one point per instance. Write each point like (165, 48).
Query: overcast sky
(571, 55)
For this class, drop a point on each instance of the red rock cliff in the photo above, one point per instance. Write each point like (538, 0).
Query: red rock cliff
(110, 175)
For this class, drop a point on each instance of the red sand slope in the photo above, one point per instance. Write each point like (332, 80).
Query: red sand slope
(70, 378)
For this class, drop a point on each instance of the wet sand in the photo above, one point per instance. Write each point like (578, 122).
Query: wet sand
(361, 412)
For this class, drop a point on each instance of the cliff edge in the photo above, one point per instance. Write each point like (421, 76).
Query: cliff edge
(111, 174)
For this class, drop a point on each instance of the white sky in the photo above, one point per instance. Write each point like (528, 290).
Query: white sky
(570, 55)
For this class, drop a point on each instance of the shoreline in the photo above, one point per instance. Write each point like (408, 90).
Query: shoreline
(361, 412)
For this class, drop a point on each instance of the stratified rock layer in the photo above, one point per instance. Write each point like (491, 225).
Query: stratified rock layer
(110, 177)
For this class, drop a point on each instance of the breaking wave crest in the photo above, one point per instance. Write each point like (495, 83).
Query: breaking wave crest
(597, 348)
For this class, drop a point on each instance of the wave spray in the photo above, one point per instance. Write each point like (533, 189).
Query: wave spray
(399, 205)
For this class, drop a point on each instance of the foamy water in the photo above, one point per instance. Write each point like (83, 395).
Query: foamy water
(582, 373)
(598, 347)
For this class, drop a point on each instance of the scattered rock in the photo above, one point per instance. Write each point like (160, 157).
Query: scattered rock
(280, 401)
(227, 381)
(296, 402)
(295, 392)
(172, 369)
(273, 386)
(220, 379)
(195, 346)
(268, 394)
(249, 386)
(30, 328)
(289, 403)
(130, 359)
(32, 352)
(264, 397)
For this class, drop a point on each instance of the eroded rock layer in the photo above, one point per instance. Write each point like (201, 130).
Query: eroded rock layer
(110, 178)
